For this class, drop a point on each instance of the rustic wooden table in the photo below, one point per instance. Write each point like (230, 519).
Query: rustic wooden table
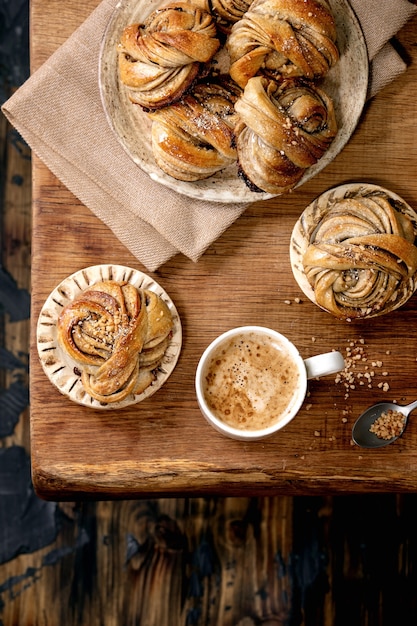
(163, 446)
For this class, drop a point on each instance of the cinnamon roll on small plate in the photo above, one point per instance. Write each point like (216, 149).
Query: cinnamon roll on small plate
(346, 84)
(353, 251)
(108, 336)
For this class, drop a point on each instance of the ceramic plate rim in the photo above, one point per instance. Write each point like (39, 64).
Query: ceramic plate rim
(297, 251)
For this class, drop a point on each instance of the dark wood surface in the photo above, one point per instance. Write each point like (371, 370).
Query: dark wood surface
(217, 561)
(163, 446)
(299, 561)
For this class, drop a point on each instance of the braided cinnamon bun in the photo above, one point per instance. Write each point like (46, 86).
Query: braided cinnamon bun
(361, 260)
(228, 12)
(283, 38)
(106, 330)
(161, 58)
(283, 129)
(192, 139)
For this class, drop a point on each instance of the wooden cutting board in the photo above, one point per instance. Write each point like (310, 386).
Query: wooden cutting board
(163, 446)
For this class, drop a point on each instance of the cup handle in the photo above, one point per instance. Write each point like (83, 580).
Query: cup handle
(324, 364)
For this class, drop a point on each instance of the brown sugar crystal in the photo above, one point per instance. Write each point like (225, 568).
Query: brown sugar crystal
(388, 425)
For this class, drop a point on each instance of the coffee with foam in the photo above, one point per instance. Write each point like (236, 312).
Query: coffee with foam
(251, 381)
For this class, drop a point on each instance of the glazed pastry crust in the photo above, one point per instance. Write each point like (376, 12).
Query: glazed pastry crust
(106, 329)
(283, 39)
(362, 257)
(194, 138)
(161, 58)
(284, 129)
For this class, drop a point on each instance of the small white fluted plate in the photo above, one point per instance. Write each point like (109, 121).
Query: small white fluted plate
(61, 369)
(312, 215)
(346, 84)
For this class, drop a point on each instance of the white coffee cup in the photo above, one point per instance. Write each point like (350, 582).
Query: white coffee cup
(251, 381)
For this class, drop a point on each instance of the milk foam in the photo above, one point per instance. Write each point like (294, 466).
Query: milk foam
(251, 381)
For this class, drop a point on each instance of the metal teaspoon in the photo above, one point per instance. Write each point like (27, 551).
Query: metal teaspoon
(361, 434)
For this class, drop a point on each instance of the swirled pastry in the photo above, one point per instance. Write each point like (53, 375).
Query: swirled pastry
(282, 39)
(362, 259)
(228, 12)
(283, 129)
(161, 58)
(192, 139)
(117, 335)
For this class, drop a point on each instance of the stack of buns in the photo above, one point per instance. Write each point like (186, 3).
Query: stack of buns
(269, 115)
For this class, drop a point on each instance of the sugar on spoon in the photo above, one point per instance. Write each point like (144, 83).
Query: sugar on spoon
(361, 433)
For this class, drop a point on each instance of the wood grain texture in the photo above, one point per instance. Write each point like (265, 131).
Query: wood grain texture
(163, 446)
(328, 561)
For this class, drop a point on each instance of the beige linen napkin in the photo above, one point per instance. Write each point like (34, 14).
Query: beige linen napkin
(58, 112)
(380, 20)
